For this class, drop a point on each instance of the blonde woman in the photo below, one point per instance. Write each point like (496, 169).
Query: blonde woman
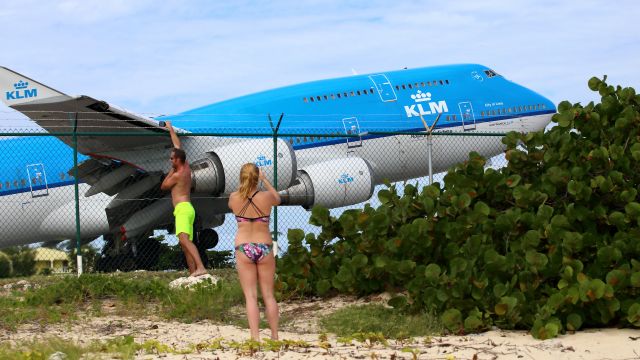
(254, 260)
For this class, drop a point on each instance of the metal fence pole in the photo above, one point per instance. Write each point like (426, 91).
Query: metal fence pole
(430, 143)
(74, 118)
(275, 171)
(429, 152)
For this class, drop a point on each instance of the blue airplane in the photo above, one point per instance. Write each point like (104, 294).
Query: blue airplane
(344, 154)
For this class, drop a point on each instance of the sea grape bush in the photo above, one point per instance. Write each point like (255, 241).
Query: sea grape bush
(549, 243)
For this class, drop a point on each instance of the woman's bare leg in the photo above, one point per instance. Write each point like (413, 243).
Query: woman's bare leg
(266, 274)
(248, 275)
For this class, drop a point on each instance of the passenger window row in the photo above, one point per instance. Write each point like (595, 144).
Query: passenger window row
(23, 182)
(513, 109)
(422, 84)
(339, 95)
(309, 139)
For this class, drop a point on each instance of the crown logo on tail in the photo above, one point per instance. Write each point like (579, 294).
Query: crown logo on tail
(21, 85)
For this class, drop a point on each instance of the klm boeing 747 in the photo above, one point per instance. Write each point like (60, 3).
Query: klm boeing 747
(345, 154)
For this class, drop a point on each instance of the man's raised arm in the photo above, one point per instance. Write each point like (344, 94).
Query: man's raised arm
(174, 138)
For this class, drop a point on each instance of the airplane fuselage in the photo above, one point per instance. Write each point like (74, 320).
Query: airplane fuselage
(37, 190)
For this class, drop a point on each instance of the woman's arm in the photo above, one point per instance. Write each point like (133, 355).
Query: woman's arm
(270, 189)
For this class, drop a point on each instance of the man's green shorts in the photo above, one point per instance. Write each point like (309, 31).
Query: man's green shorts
(185, 214)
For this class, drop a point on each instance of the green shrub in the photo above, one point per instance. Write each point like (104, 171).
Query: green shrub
(6, 267)
(548, 243)
(24, 261)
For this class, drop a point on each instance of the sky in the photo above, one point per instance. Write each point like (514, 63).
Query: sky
(166, 57)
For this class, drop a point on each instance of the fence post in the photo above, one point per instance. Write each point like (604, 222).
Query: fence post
(430, 143)
(74, 118)
(275, 171)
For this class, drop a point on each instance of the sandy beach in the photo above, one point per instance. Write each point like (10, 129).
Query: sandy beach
(497, 344)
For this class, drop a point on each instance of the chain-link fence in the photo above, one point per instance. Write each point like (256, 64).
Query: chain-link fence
(105, 201)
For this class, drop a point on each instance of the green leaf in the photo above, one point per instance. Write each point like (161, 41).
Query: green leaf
(432, 272)
(323, 286)
(574, 322)
(359, 261)
(594, 84)
(472, 323)
(513, 180)
(452, 320)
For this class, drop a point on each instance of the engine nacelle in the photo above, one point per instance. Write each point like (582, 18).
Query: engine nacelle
(218, 172)
(332, 184)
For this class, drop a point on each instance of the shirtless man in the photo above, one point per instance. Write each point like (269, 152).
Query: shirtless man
(179, 182)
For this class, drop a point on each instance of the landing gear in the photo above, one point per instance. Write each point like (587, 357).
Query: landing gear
(149, 253)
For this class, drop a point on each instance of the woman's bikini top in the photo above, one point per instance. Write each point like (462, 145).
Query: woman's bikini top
(241, 218)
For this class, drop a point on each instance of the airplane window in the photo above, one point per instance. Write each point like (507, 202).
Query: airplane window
(493, 112)
(422, 83)
(544, 106)
(448, 118)
(454, 117)
(297, 140)
(441, 82)
(435, 82)
(481, 113)
(8, 184)
(428, 83)
(23, 182)
(397, 87)
(318, 98)
(345, 94)
(504, 111)
(333, 97)
(447, 81)
(326, 97)
(338, 95)
(358, 92)
(410, 87)
(519, 108)
(15, 183)
(353, 94)
(291, 141)
(490, 73)
(416, 85)
(0, 185)
(304, 99)
(404, 87)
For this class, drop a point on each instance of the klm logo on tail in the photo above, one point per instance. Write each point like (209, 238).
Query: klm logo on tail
(21, 91)
(421, 98)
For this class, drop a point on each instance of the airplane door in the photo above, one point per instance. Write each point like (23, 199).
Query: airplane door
(351, 127)
(37, 180)
(468, 119)
(384, 87)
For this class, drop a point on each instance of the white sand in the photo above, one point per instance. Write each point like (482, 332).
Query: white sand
(587, 344)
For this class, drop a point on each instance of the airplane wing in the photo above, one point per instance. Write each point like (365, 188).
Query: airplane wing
(57, 112)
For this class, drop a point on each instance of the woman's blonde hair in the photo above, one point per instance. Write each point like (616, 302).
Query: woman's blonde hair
(248, 179)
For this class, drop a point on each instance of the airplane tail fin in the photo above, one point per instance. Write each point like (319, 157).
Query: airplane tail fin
(17, 89)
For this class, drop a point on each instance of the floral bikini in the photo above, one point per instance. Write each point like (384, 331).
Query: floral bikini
(254, 251)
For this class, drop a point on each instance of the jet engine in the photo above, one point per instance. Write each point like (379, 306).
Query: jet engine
(218, 172)
(332, 184)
